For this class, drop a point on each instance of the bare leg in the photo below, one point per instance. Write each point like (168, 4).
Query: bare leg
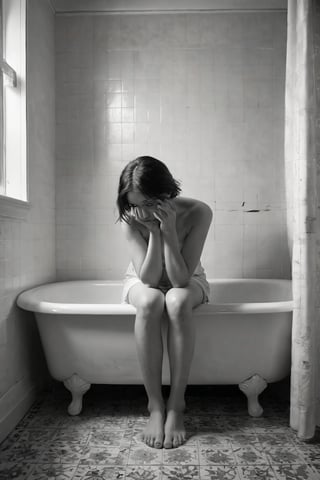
(181, 339)
(149, 303)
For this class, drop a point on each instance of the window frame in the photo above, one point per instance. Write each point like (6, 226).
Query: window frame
(2, 146)
(13, 111)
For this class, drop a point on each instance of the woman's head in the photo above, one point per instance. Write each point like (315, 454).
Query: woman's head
(145, 177)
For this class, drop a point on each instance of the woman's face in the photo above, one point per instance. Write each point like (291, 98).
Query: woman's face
(147, 205)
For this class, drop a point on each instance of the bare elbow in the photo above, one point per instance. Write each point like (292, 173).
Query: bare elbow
(149, 282)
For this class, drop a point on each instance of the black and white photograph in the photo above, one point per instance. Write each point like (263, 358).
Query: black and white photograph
(159, 239)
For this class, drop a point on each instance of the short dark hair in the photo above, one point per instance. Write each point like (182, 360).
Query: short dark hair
(149, 176)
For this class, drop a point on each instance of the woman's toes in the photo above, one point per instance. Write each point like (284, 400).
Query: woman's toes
(174, 429)
(178, 441)
(153, 442)
(153, 432)
(168, 443)
(158, 443)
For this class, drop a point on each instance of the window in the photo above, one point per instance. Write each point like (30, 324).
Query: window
(13, 154)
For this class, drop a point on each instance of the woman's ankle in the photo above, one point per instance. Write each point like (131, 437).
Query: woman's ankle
(156, 406)
(176, 404)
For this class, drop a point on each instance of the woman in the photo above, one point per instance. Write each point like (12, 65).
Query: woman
(166, 234)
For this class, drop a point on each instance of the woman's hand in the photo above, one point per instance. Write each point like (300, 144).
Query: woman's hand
(166, 215)
(152, 224)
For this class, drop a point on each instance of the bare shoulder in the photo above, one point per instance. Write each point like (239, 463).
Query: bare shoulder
(196, 210)
(203, 209)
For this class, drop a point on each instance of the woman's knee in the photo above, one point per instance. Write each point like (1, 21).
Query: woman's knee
(178, 305)
(150, 303)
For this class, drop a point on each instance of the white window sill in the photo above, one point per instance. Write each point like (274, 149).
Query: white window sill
(13, 208)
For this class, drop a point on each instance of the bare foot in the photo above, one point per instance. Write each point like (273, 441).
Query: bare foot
(175, 433)
(153, 433)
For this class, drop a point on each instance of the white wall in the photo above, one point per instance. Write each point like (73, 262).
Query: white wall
(27, 252)
(204, 92)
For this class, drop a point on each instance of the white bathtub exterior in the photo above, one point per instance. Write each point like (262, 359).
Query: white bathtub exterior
(245, 330)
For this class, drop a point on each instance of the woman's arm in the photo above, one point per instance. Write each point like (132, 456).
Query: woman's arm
(180, 265)
(146, 256)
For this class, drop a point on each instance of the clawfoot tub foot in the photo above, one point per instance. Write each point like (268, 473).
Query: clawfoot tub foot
(252, 387)
(78, 388)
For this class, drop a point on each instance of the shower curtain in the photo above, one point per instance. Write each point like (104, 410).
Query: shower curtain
(302, 161)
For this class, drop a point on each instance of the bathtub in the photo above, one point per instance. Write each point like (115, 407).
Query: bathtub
(243, 335)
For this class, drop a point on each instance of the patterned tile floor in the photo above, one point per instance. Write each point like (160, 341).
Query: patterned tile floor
(102, 443)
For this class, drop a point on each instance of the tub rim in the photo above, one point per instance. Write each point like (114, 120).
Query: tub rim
(27, 301)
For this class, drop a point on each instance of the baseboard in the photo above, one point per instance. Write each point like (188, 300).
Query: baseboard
(14, 404)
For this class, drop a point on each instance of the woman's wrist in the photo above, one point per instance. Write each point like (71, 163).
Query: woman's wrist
(170, 237)
(153, 227)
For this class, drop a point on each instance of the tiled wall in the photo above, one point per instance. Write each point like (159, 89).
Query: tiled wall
(27, 234)
(204, 92)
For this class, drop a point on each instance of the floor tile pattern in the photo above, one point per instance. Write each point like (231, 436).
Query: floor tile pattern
(102, 443)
